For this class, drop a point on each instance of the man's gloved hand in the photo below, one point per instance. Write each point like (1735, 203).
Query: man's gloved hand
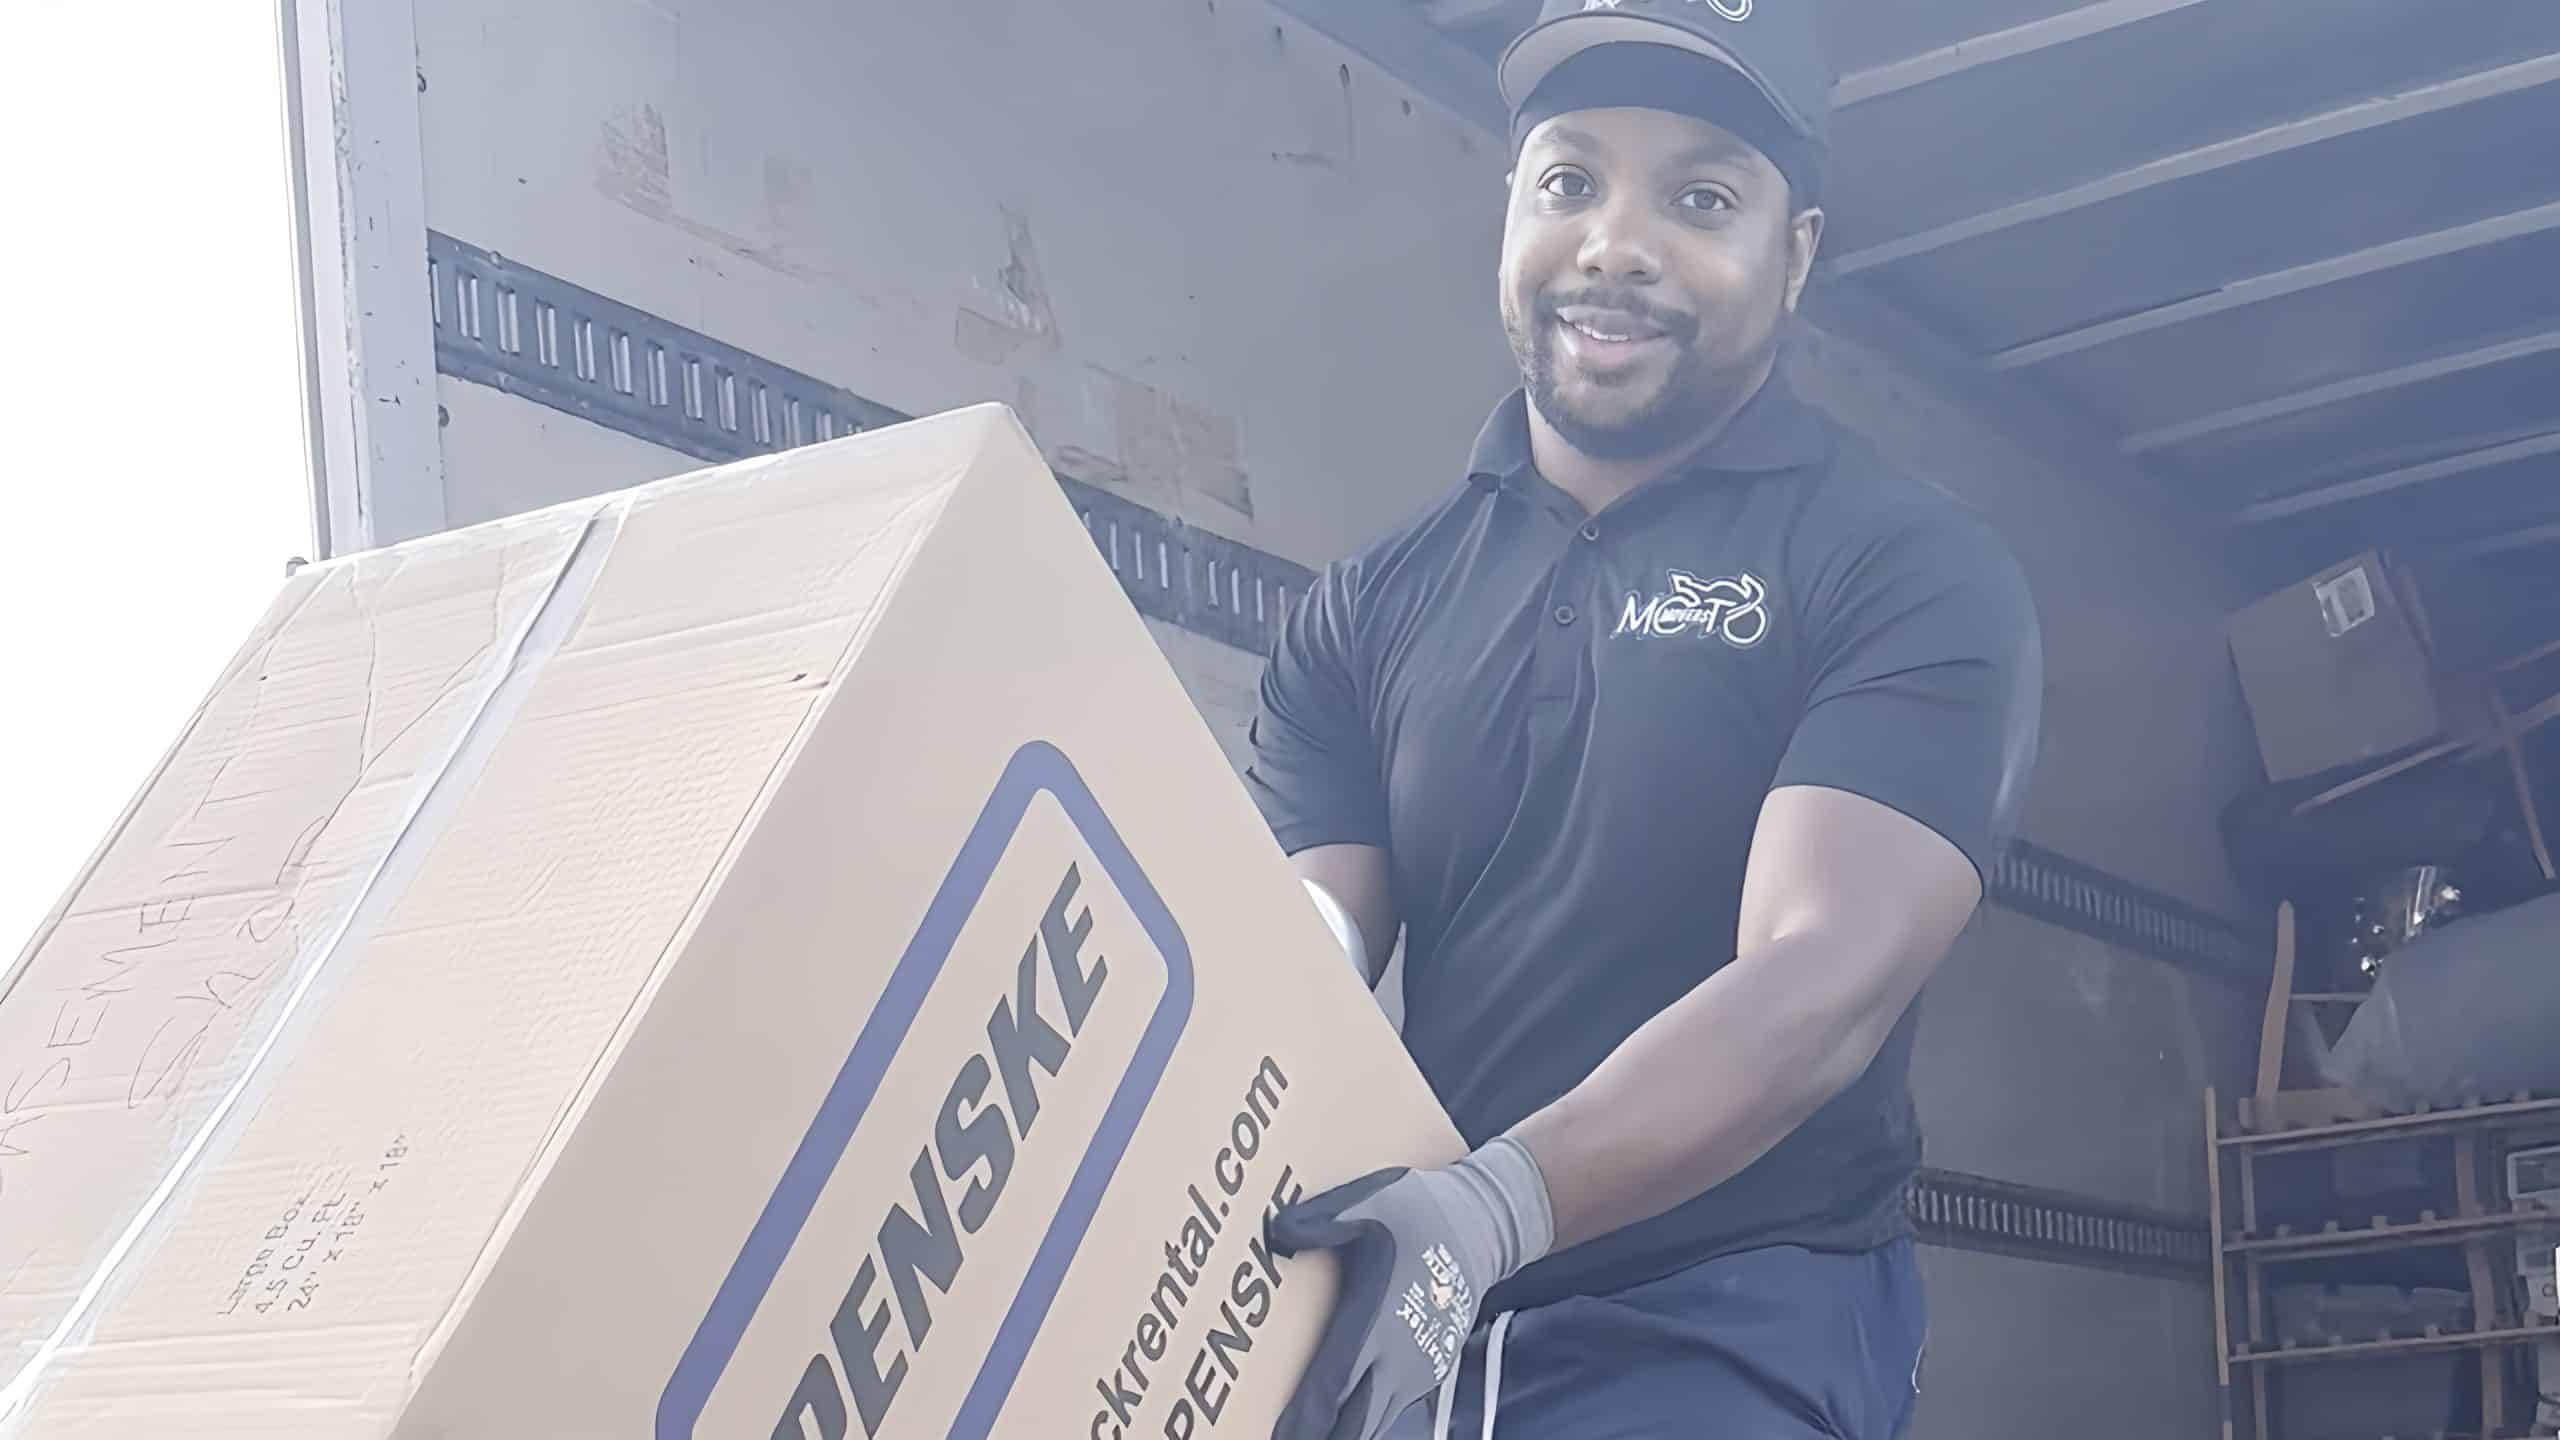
(1418, 1250)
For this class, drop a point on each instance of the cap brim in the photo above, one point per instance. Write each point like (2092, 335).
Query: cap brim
(1541, 48)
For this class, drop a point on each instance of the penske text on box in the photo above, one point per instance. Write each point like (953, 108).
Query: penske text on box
(769, 953)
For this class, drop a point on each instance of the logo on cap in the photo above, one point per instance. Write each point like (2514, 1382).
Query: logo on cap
(1730, 9)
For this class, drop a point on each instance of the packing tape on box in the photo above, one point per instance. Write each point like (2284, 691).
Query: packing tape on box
(431, 804)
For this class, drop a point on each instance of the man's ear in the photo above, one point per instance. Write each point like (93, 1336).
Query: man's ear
(1804, 241)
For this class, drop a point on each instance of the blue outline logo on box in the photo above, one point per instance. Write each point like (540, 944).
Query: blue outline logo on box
(1036, 768)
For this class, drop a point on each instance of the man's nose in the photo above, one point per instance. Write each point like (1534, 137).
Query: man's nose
(1619, 244)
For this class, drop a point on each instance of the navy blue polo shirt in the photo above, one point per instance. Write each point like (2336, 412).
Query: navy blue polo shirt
(1560, 726)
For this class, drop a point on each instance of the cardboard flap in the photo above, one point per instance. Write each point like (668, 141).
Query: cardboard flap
(465, 793)
(138, 1005)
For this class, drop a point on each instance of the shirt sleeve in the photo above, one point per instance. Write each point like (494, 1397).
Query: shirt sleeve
(1312, 766)
(1927, 685)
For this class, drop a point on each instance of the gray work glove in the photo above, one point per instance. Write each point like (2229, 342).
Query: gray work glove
(1418, 1250)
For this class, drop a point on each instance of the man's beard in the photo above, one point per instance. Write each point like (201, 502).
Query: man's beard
(1662, 424)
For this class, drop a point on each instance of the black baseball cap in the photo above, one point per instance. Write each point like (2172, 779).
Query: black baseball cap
(1770, 44)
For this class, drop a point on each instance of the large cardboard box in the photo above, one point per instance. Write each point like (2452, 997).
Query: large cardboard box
(2337, 670)
(771, 953)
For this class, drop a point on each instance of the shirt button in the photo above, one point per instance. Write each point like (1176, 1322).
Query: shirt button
(1591, 531)
(1564, 615)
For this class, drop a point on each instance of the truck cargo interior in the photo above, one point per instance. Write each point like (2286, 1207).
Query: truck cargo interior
(2238, 319)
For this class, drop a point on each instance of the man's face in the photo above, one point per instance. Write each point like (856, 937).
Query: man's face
(1647, 261)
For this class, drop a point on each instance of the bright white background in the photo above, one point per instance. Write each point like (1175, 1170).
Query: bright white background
(156, 481)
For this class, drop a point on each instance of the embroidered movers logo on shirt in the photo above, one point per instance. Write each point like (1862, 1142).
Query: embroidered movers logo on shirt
(876, 1329)
(1734, 609)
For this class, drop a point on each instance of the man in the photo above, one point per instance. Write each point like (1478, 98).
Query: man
(1675, 742)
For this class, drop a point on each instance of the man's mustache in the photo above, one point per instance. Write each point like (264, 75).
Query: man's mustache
(1676, 324)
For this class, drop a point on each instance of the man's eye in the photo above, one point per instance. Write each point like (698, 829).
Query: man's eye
(1567, 185)
(1704, 198)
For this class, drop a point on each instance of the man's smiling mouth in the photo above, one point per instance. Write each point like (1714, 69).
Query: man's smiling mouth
(1610, 327)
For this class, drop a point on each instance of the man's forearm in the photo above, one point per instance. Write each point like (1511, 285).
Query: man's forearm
(1709, 1085)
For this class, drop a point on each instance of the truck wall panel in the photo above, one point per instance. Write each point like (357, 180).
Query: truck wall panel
(932, 205)
(2025, 1351)
(2053, 1059)
(504, 455)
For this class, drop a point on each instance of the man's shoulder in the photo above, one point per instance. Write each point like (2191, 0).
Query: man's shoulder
(1864, 501)
(1411, 543)
(1872, 539)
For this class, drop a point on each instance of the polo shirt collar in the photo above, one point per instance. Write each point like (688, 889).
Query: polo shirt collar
(1774, 430)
